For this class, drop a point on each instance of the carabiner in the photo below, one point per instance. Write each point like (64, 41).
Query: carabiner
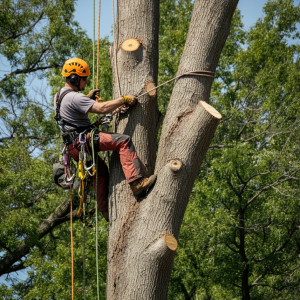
(88, 170)
(62, 150)
(69, 180)
(82, 140)
(106, 119)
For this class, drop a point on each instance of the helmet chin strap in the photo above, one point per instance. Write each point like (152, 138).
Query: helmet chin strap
(78, 85)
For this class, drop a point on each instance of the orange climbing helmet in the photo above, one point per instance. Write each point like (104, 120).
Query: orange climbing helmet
(75, 66)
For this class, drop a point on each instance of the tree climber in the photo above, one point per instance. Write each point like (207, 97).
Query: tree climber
(72, 119)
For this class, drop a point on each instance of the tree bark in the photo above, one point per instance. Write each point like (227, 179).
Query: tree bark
(140, 255)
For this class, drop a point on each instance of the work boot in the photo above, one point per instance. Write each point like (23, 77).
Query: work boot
(142, 184)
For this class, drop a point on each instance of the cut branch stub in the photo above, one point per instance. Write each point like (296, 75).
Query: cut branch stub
(149, 86)
(175, 165)
(130, 45)
(170, 241)
(211, 110)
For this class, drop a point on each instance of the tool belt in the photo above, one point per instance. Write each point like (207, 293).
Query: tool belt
(71, 136)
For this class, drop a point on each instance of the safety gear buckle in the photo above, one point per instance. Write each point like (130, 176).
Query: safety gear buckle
(82, 140)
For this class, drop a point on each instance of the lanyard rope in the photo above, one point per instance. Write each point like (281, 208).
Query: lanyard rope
(93, 155)
(96, 206)
(191, 73)
(97, 259)
(72, 253)
(83, 255)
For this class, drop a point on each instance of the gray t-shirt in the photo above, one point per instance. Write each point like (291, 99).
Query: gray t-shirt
(74, 109)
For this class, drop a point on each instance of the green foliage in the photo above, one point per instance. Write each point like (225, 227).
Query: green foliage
(29, 142)
(242, 219)
(175, 19)
(240, 233)
(50, 275)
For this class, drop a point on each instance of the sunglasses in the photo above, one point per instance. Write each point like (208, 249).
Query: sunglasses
(85, 78)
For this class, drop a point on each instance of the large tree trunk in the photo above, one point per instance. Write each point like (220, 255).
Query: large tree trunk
(143, 233)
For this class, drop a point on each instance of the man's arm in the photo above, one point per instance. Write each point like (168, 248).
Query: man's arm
(110, 106)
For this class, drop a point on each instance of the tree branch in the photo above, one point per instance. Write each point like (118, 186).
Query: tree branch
(232, 188)
(29, 70)
(15, 268)
(216, 147)
(269, 187)
(60, 216)
(293, 230)
(236, 251)
(31, 137)
(259, 278)
(14, 35)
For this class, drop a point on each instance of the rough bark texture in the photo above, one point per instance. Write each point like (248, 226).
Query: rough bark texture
(139, 259)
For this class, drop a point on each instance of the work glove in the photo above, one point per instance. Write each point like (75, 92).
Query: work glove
(130, 100)
(93, 94)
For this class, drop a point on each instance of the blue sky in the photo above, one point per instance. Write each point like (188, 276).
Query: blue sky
(251, 10)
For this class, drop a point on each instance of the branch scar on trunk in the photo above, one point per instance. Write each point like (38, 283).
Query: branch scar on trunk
(149, 85)
(211, 110)
(170, 241)
(175, 165)
(130, 45)
(178, 120)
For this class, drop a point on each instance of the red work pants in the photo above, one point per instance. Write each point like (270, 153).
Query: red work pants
(129, 160)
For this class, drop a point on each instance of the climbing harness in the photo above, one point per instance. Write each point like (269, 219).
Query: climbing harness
(58, 99)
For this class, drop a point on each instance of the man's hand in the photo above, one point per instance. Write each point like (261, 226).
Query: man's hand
(92, 94)
(130, 100)
(123, 109)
